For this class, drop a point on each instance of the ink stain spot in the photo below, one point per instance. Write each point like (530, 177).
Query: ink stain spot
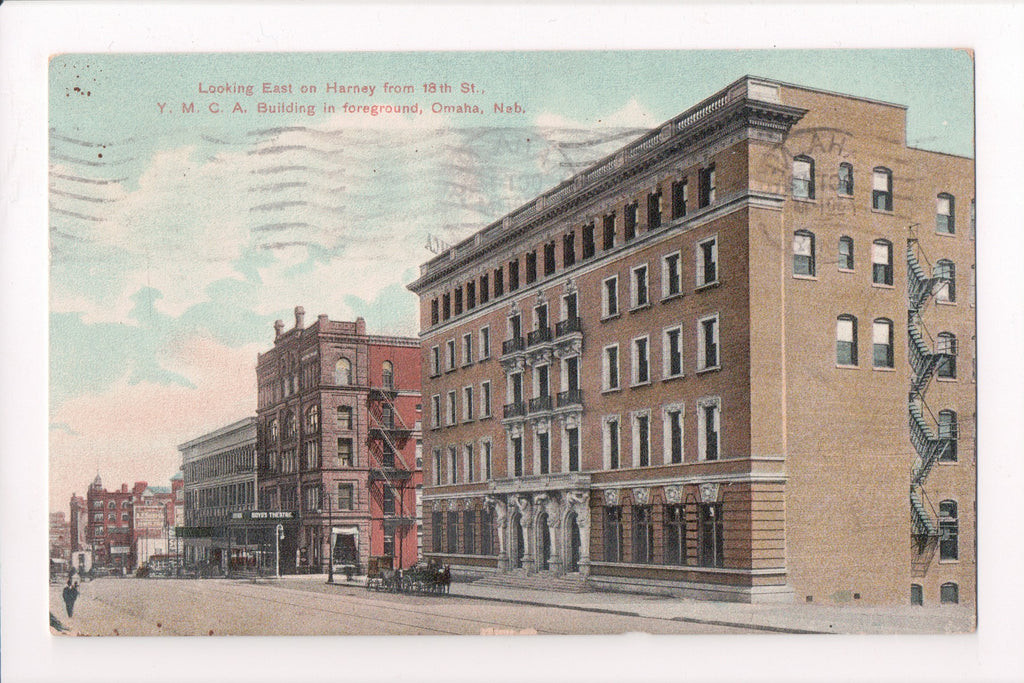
(100, 156)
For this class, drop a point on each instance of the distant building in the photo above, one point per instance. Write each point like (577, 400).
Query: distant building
(125, 527)
(60, 536)
(152, 518)
(338, 423)
(78, 522)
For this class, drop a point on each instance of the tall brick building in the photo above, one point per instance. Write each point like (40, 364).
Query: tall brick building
(337, 434)
(733, 360)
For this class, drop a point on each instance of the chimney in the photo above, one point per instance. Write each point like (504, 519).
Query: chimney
(360, 326)
(300, 315)
(278, 328)
(322, 320)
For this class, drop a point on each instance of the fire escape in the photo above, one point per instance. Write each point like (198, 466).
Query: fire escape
(390, 474)
(931, 438)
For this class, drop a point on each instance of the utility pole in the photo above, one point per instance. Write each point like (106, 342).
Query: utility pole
(278, 535)
(330, 540)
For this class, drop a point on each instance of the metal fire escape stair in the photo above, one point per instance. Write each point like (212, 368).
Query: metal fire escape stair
(387, 436)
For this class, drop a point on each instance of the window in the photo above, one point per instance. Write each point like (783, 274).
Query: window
(674, 533)
(513, 275)
(629, 218)
(446, 306)
(515, 327)
(437, 466)
(611, 442)
(485, 398)
(470, 295)
(608, 232)
(948, 434)
(312, 419)
(387, 374)
(540, 317)
(343, 372)
(485, 343)
(949, 544)
(706, 189)
(671, 275)
(639, 294)
(467, 348)
(436, 522)
(945, 218)
(613, 534)
(469, 531)
(485, 289)
(435, 361)
(345, 458)
(845, 184)
(945, 291)
(572, 438)
(467, 404)
(531, 267)
(311, 497)
(611, 368)
(803, 253)
(803, 177)
(707, 343)
(881, 262)
(946, 349)
(846, 340)
(470, 463)
(486, 447)
(451, 408)
(709, 425)
(654, 210)
(845, 253)
(673, 434)
(486, 523)
(568, 249)
(499, 282)
(881, 338)
(588, 241)
(458, 300)
(642, 439)
(549, 259)
(452, 532)
(541, 381)
(435, 411)
(544, 452)
(712, 552)
(949, 594)
(641, 361)
(881, 189)
(643, 535)
(679, 198)
(916, 594)
(435, 312)
(517, 455)
(610, 297)
(707, 261)
(453, 465)
(672, 352)
(450, 354)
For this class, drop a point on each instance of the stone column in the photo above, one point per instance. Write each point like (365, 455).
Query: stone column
(553, 508)
(501, 520)
(580, 502)
(525, 517)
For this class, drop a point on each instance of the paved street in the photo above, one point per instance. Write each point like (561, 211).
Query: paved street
(306, 606)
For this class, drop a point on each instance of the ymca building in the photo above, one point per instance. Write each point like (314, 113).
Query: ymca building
(733, 360)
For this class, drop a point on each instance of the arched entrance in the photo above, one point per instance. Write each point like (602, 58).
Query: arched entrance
(518, 544)
(572, 563)
(544, 536)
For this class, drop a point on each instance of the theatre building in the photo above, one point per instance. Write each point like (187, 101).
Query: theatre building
(337, 434)
(733, 360)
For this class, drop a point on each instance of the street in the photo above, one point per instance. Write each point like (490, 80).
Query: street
(307, 606)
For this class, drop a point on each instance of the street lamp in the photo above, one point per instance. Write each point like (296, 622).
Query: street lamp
(278, 537)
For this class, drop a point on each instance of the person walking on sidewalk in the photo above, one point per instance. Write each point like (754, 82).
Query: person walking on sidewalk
(70, 595)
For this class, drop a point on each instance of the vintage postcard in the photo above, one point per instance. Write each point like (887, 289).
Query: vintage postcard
(493, 342)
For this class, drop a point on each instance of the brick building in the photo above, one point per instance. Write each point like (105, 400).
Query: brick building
(60, 536)
(337, 434)
(733, 360)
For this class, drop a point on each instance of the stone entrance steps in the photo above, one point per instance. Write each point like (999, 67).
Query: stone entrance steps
(541, 581)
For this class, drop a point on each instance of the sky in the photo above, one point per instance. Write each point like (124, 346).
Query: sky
(178, 237)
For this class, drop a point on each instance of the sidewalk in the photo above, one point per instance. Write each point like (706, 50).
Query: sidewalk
(770, 618)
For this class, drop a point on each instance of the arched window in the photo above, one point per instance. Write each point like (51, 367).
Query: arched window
(949, 594)
(388, 374)
(313, 419)
(343, 371)
(803, 253)
(845, 253)
(945, 270)
(949, 531)
(846, 340)
(290, 427)
(845, 184)
(881, 189)
(111, 505)
(945, 209)
(881, 337)
(946, 349)
(881, 262)
(273, 431)
(948, 432)
(803, 177)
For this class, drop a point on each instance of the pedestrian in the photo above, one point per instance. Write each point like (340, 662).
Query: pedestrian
(70, 595)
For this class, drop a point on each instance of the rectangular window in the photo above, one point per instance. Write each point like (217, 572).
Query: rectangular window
(531, 267)
(435, 315)
(345, 455)
(641, 439)
(470, 295)
(803, 178)
(881, 190)
(846, 340)
(707, 261)
(517, 455)
(671, 275)
(544, 452)
(499, 282)
(467, 404)
(654, 210)
(881, 338)
(572, 436)
(845, 253)
(610, 297)
(673, 435)
(643, 535)
(629, 218)
(469, 531)
(803, 253)
(568, 249)
(435, 411)
(453, 532)
(672, 352)
(708, 429)
(611, 367)
(485, 398)
(458, 300)
(679, 189)
(346, 497)
(712, 553)
(707, 343)
(549, 259)
(470, 463)
(613, 534)
(485, 290)
(453, 465)
(485, 343)
(513, 275)
(674, 533)
(881, 262)
(435, 361)
(611, 443)
(467, 348)
(608, 225)
(639, 294)
(588, 241)
(706, 190)
(845, 184)
(446, 306)
(436, 523)
(388, 502)
(450, 354)
(641, 361)
(452, 413)
(486, 522)
(344, 417)
(437, 466)
(486, 446)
